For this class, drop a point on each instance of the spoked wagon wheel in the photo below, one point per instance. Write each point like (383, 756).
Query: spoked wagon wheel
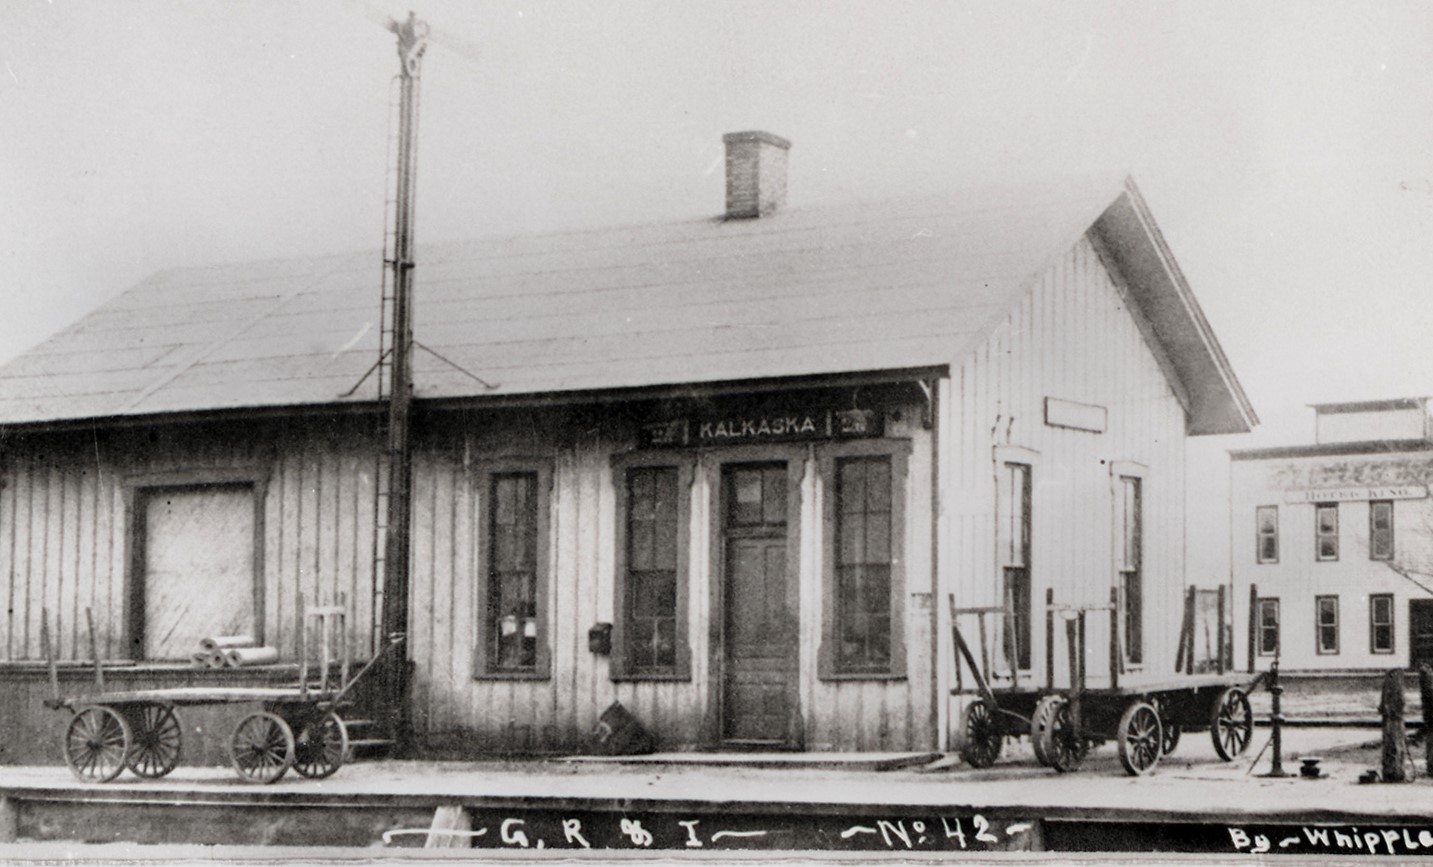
(97, 741)
(1172, 732)
(1053, 735)
(262, 748)
(1231, 723)
(320, 745)
(981, 737)
(157, 738)
(1140, 738)
(1040, 722)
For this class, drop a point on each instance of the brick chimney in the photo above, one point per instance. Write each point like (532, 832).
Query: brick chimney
(755, 174)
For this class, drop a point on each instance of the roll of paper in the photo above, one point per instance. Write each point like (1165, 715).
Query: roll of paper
(238, 657)
(203, 659)
(224, 642)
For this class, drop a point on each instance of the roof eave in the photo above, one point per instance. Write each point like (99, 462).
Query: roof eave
(1217, 403)
(516, 400)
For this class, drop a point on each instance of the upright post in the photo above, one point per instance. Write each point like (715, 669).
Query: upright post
(1072, 642)
(1395, 737)
(1253, 646)
(1012, 641)
(1115, 660)
(1050, 637)
(1184, 652)
(412, 41)
(1221, 654)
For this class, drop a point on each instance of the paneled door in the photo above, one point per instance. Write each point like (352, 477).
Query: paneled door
(760, 625)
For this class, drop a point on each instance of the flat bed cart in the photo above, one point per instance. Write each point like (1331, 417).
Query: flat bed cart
(298, 727)
(1144, 719)
(139, 730)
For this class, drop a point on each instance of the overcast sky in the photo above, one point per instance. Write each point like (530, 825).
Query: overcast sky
(1286, 149)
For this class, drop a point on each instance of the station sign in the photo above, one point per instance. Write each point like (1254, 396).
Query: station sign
(704, 430)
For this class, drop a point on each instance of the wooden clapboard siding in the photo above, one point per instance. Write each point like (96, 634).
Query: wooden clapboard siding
(63, 523)
(873, 714)
(456, 712)
(1072, 337)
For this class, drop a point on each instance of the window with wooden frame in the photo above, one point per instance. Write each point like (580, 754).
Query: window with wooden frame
(1014, 490)
(1380, 530)
(1326, 531)
(196, 560)
(1380, 623)
(1326, 623)
(1129, 552)
(863, 630)
(513, 558)
(649, 632)
(1266, 529)
(1267, 624)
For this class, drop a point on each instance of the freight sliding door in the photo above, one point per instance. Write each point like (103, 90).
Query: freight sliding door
(195, 569)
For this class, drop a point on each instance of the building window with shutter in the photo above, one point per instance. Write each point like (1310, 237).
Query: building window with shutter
(1380, 530)
(864, 490)
(1013, 495)
(1326, 623)
(1129, 512)
(513, 587)
(1266, 521)
(1326, 531)
(1380, 623)
(653, 529)
(1268, 626)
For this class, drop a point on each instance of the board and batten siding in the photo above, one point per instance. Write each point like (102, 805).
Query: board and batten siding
(63, 529)
(1073, 337)
(454, 711)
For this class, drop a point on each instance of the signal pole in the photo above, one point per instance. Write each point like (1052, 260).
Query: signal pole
(412, 40)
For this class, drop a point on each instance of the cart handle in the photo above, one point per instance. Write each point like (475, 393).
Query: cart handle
(394, 640)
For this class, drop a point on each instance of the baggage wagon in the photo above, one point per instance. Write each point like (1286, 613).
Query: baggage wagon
(1144, 718)
(299, 727)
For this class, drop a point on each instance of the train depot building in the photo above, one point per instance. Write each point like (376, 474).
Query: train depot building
(730, 472)
(1333, 541)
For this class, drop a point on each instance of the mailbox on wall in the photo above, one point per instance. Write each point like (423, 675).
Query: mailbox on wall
(599, 639)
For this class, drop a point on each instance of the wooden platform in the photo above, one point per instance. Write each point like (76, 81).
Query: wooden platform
(1196, 804)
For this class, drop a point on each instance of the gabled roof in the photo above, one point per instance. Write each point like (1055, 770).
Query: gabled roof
(815, 291)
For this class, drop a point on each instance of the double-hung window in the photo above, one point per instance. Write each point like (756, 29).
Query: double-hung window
(1326, 623)
(1380, 623)
(1129, 517)
(1380, 530)
(1268, 627)
(1013, 495)
(1266, 528)
(512, 585)
(653, 534)
(863, 486)
(1326, 531)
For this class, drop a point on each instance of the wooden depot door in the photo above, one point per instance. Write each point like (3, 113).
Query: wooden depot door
(1420, 632)
(759, 669)
(198, 577)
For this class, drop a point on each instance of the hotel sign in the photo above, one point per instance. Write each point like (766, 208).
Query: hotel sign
(1345, 495)
(743, 428)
